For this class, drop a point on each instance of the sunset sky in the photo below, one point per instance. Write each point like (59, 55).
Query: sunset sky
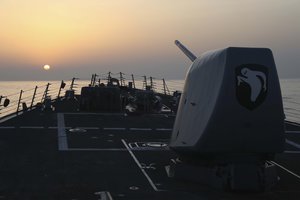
(78, 38)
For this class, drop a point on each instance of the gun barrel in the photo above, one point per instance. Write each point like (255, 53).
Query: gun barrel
(187, 52)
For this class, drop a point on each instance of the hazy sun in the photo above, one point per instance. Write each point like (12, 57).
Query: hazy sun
(46, 67)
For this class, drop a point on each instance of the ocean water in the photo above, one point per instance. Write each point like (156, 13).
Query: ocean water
(290, 89)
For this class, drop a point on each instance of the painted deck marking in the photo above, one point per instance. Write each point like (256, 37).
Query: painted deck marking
(7, 127)
(109, 196)
(114, 149)
(114, 129)
(62, 136)
(285, 169)
(55, 127)
(95, 149)
(292, 132)
(104, 195)
(52, 127)
(32, 127)
(140, 129)
(292, 152)
(105, 114)
(89, 128)
(163, 129)
(140, 166)
(294, 144)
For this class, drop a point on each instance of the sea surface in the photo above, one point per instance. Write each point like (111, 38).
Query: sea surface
(290, 89)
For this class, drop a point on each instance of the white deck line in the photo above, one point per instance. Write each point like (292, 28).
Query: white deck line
(114, 129)
(285, 169)
(140, 129)
(55, 127)
(294, 144)
(106, 114)
(149, 149)
(164, 129)
(292, 152)
(89, 128)
(62, 136)
(292, 132)
(92, 149)
(52, 127)
(7, 127)
(140, 166)
(32, 127)
(109, 196)
(114, 149)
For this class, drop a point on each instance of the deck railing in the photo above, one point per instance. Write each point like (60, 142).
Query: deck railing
(25, 100)
(28, 99)
(159, 85)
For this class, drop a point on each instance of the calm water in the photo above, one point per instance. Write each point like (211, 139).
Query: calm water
(290, 91)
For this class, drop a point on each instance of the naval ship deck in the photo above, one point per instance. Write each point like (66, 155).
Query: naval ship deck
(111, 156)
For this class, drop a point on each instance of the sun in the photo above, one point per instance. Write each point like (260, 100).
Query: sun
(46, 67)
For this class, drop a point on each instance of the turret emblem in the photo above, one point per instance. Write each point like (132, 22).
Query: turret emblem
(251, 85)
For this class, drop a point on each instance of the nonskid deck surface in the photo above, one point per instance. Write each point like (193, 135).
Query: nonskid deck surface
(111, 156)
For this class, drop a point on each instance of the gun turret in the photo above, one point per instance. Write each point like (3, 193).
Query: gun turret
(230, 119)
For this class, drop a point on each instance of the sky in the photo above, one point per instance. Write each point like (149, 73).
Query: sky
(78, 38)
